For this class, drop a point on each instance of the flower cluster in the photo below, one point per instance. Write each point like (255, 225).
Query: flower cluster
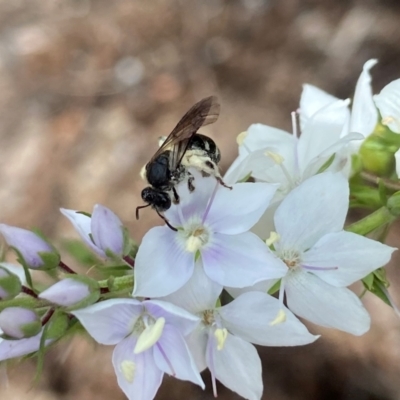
(242, 264)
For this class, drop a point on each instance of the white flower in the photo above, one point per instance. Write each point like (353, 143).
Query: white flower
(213, 224)
(222, 341)
(388, 102)
(322, 259)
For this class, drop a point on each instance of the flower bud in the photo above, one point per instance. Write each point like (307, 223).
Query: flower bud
(75, 291)
(393, 204)
(19, 323)
(10, 284)
(34, 252)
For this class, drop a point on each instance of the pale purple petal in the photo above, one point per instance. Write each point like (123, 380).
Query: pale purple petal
(82, 224)
(198, 294)
(311, 298)
(237, 210)
(176, 316)
(317, 207)
(13, 320)
(388, 102)
(262, 286)
(353, 255)
(364, 115)
(110, 321)
(137, 374)
(238, 367)
(107, 230)
(197, 343)
(240, 260)
(172, 356)
(162, 266)
(27, 243)
(249, 317)
(66, 292)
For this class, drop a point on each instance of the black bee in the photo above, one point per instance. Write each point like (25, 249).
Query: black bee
(183, 148)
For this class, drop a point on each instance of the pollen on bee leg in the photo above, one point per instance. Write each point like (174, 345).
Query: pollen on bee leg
(277, 158)
(280, 317)
(220, 335)
(128, 369)
(240, 138)
(273, 238)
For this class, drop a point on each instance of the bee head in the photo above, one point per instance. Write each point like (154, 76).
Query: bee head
(156, 198)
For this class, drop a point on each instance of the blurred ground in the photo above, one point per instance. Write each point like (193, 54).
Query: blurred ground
(87, 86)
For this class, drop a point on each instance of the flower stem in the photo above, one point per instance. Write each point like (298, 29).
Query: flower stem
(47, 316)
(379, 218)
(390, 184)
(28, 291)
(66, 268)
(129, 260)
(117, 284)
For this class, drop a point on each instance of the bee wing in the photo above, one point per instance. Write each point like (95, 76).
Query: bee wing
(203, 113)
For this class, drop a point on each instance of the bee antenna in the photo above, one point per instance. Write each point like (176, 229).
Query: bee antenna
(138, 208)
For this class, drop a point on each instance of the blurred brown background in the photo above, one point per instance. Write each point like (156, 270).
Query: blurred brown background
(86, 88)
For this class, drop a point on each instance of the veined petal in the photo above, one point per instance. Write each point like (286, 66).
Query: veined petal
(110, 321)
(237, 366)
(388, 102)
(82, 224)
(107, 230)
(137, 374)
(181, 319)
(198, 294)
(364, 115)
(237, 210)
(162, 266)
(171, 351)
(317, 207)
(311, 298)
(249, 317)
(312, 100)
(354, 256)
(240, 260)
(197, 343)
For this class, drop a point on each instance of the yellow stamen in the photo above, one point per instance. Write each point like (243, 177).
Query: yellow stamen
(220, 335)
(128, 369)
(273, 238)
(150, 336)
(387, 120)
(281, 317)
(277, 158)
(240, 138)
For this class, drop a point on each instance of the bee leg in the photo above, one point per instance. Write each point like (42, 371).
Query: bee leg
(176, 196)
(166, 221)
(205, 174)
(190, 184)
(221, 182)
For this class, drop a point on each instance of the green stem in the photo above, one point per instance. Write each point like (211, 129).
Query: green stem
(117, 284)
(378, 218)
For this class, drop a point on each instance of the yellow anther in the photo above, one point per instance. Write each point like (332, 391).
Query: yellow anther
(281, 317)
(240, 138)
(150, 336)
(128, 369)
(273, 238)
(277, 158)
(387, 120)
(220, 335)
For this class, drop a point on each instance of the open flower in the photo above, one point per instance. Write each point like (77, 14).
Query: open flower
(149, 339)
(213, 224)
(102, 232)
(320, 258)
(388, 102)
(222, 342)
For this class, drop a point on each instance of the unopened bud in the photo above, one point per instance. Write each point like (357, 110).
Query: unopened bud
(10, 284)
(19, 323)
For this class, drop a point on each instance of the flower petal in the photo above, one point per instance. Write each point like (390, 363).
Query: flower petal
(137, 374)
(162, 266)
(237, 210)
(249, 317)
(240, 260)
(181, 319)
(388, 102)
(364, 115)
(172, 347)
(317, 207)
(238, 367)
(66, 292)
(197, 343)
(107, 230)
(262, 286)
(82, 224)
(311, 298)
(397, 158)
(110, 321)
(198, 294)
(354, 256)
